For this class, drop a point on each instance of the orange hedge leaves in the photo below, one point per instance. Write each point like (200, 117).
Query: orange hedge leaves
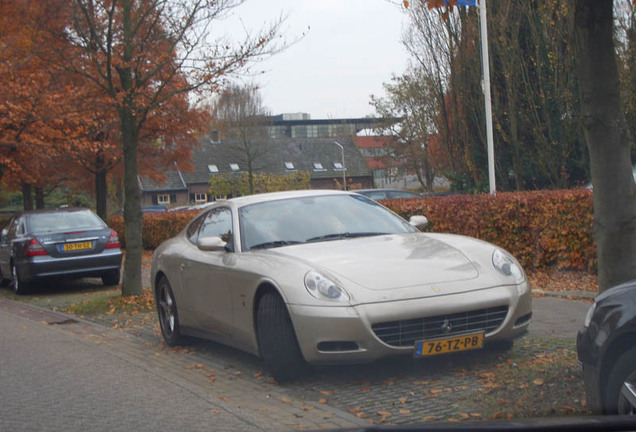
(540, 228)
(156, 227)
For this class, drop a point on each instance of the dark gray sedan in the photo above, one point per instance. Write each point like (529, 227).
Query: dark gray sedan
(62, 242)
(607, 350)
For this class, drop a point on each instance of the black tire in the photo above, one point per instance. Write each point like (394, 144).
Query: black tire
(623, 374)
(277, 340)
(19, 287)
(111, 277)
(167, 311)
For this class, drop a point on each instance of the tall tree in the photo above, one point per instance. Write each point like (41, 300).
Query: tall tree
(142, 54)
(413, 100)
(239, 114)
(609, 141)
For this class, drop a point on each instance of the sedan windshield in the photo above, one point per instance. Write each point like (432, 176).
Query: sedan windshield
(313, 219)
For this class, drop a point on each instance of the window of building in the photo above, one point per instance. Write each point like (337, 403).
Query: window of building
(318, 167)
(337, 165)
(200, 198)
(234, 167)
(163, 199)
(289, 166)
(213, 168)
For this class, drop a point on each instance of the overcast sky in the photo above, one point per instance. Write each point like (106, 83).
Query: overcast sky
(350, 48)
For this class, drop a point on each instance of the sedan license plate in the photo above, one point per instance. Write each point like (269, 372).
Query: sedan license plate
(72, 247)
(449, 345)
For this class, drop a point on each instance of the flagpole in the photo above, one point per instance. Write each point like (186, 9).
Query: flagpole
(487, 99)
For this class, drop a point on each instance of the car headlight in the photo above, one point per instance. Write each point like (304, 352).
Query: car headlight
(323, 288)
(507, 265)
(588, 317)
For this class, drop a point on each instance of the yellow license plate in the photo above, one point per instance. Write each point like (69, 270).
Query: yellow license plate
(71, 247)
(449, 345)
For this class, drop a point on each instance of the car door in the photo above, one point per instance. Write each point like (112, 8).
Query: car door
(5, 248)
(203, 276)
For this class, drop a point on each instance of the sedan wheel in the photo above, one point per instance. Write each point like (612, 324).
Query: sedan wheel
(167, 310)
(621, 387)
(111, 277)
(19, 287)
(277, 339)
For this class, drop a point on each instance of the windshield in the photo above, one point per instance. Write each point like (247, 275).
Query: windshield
(63, 221)
(311, 219)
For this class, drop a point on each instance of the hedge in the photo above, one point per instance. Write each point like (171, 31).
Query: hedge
(540, 228)
(156, 227)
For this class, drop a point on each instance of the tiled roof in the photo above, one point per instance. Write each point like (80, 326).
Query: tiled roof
(271, 155)
(173, 182)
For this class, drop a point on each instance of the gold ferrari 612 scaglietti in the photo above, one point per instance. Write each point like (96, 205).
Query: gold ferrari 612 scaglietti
(319, 277)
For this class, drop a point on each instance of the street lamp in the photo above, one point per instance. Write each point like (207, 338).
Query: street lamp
(344, 175)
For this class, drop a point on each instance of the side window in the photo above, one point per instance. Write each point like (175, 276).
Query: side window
(15, 228)
(217, 223)
(193, 229)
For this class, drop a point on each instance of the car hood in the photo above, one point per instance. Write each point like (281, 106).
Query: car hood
(388, 261)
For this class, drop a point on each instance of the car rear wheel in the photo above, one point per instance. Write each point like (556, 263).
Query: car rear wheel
(277, 339)
(111, 277)
(168, 316)
(19, 287)
(620, 393)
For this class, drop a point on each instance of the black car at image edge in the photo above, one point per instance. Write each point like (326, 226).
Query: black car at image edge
(606, 347)
(62, 242)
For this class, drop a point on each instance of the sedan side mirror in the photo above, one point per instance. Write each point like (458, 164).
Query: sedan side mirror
(418, 222)
(211, 244)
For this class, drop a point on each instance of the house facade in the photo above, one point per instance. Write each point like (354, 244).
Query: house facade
(320, 156)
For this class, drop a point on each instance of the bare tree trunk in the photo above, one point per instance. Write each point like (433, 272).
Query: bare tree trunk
(132, 208)
(608, 141)
(133, 217)
(27, 196)
(101, 192)
(39, 197)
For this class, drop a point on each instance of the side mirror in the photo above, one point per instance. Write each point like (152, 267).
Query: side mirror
(418, 222)
(4, 236)
(211, 244)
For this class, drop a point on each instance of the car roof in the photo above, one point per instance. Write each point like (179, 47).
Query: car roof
(274, 196)
(52, 210)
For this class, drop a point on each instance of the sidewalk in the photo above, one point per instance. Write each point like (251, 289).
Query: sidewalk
(259, 402)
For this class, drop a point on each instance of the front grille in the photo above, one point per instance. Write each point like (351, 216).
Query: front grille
(406, 332)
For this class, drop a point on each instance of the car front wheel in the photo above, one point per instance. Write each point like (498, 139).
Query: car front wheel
(19, 287)
(277, 339)
(168, 316)
(620, 395)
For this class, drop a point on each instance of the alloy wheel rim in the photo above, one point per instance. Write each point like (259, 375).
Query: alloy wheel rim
(627, 396)
(167, 310)
(14, 274)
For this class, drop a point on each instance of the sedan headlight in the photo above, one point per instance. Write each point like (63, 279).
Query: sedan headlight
(507, 265)
(323, 288)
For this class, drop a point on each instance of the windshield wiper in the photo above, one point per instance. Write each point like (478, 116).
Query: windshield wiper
(274, 244)
(344, 235)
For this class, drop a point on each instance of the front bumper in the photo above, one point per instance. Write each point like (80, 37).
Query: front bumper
(345, 334)
(41, 267)
(587, 353)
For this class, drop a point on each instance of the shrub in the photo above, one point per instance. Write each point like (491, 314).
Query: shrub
(156, 228)
(541, 228)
